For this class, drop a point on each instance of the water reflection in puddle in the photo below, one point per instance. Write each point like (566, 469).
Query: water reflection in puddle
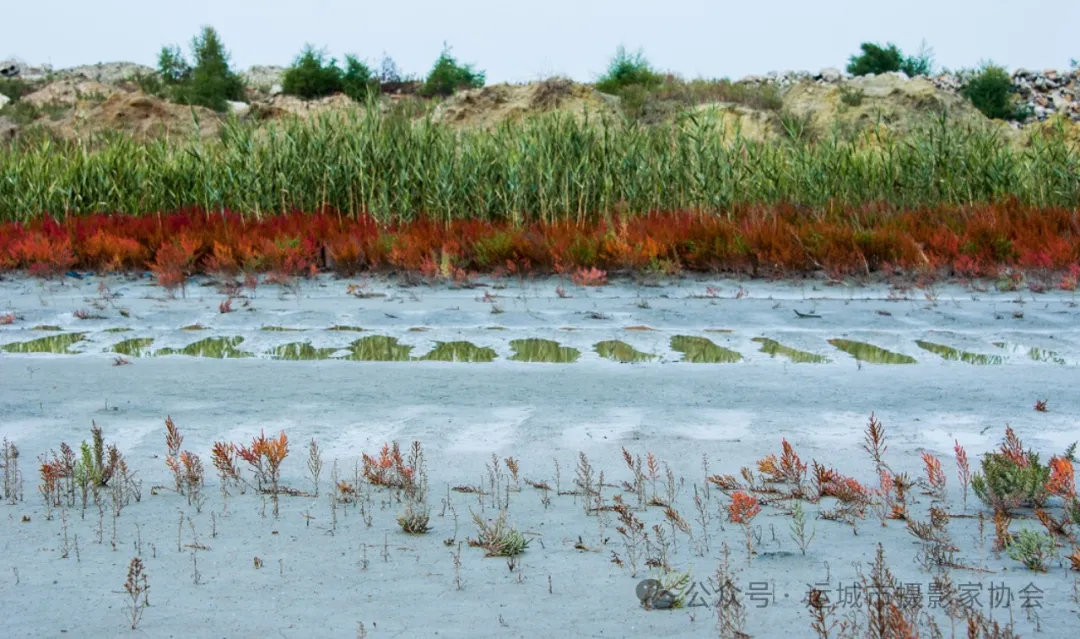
(869, 353)
(774, 348)
(701, 350)
(621, 352)
(542, 350)
(950, 353)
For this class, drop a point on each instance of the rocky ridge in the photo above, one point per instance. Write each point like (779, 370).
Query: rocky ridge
(1042, 93)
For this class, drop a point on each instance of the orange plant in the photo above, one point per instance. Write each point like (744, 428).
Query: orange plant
(7, 318)
(963, 468)
(1062, 481)
(935, 476)
(224, 458)
(788, 469)
(743, 508)
(388, 469)
(173, 440)
(589, 277)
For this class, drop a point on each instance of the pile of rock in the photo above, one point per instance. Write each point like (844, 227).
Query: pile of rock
(1050, 91)
(1042, 93)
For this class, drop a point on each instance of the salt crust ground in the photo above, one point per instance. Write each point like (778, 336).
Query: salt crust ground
(314, 584)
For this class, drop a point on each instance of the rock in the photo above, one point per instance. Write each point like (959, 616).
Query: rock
(106, 72)
(239, 109)
(276, 89)
(830, 74)
(4, 100)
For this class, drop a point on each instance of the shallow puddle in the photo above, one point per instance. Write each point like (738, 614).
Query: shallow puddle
(869, 353)
(460, 352)
(951, 353)
(136, 347)
(1037, 354)
(58, 344)
(378, 348)
(215, 347)
(774, 348)
(701, 350)
(542, 350)
(618, 351)
(300, 351)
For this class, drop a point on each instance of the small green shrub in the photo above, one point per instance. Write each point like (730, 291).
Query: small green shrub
(311, 75)
(209, 82)
(922, 63)
(449, 76)
(627, 70)
(851, 96)
(991, 91)
(1012, 478)
(876, 59)
(15, 88)
(1032, 549)
(879, 59)
(498, 537)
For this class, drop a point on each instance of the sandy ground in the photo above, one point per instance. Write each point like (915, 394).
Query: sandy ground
(320, 579)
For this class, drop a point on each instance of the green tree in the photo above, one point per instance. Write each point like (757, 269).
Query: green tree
(358, 81)
(311, 75)
(922, 63)
(448, 76)
(876, 59)
(990, 90)
(209, 82)
(628, 70)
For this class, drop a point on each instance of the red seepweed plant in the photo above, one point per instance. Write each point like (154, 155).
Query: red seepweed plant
(788, 469)
(388, 469)
(265, 456)
(935, 476)
(1062, 481)
(173, 440)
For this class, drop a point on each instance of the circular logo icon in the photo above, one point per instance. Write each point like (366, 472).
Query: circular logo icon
(647, 589)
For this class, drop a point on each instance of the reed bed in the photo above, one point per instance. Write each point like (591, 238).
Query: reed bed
(546, 169)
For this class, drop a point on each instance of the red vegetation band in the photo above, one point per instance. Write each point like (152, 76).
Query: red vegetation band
(974, 241)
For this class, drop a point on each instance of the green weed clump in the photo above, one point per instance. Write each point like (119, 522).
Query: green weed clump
(1012, 477)
(1031, 548)
(449, 76)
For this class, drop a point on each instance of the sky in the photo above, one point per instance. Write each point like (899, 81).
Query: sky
(516, 41)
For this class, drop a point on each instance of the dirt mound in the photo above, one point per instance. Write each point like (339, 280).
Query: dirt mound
(889, 99)
(138, 115)
(1056, 126)
(71, 92)
(738, 120)
(282, 106)
(490, 106)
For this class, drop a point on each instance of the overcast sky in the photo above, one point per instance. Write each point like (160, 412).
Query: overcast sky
(518, 41)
